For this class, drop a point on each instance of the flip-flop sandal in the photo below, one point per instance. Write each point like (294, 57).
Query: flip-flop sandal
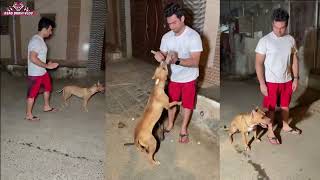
(51, 110)
(293, 131)
(166, 131)
(273, 140)
(34, 118)
(185, 137)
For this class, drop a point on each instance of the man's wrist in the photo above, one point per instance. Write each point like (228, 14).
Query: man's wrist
(262, 83)
(296, 77)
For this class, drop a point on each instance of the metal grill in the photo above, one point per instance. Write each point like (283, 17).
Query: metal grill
(195, 12)
(98, 21)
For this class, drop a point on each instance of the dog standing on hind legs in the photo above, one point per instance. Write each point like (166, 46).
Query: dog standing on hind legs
(158, 99)
(84, 93)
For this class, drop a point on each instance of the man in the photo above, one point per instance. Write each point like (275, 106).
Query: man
(277, 75)
(182, 47)
(37, 73)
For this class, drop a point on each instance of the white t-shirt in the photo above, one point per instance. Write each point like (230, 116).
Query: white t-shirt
(37, 45)
(184, 44)
(277, 51)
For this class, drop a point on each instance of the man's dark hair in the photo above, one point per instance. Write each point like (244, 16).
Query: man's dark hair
(280, 15)
(45, 23)
(173, 8)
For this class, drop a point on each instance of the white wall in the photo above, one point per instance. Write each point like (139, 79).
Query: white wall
(5, 46)
(57, 44)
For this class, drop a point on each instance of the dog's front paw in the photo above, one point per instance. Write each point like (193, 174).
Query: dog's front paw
(156, 163)
(247, 148)
(258, 140)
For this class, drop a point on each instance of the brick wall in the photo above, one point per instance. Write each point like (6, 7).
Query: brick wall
(210, 73)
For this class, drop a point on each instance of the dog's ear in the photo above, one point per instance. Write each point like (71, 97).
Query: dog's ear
(256, 108)
(253, 112)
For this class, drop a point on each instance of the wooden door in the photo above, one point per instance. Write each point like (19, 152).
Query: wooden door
(148, 26)
(147, 29)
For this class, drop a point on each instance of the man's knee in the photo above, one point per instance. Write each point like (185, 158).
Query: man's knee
(285, 109)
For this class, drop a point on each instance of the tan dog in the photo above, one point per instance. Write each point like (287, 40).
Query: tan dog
(248, 122)
(80, 92)
(158, 99)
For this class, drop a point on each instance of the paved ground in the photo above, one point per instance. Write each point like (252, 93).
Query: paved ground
(129, 84)
(297, 158)
(67, 145)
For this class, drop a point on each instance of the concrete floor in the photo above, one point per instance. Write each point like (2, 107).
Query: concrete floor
(129, 84)
(296, 158)
(64, 145)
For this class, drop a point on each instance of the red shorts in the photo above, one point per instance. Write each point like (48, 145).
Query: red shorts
(185, 90)
(36, 82)
(278, 94)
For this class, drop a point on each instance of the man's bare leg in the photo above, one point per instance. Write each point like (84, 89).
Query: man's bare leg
(271, 136)
(184, 136)
(186, 119)
(46, 97)
(171, 116)
(285, 121)
(29, 115)
(285, 118)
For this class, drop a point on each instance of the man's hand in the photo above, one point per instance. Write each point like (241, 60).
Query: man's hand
(294, 85)
(52, 65)
(172, 57)
(264, 89)
(158, 56)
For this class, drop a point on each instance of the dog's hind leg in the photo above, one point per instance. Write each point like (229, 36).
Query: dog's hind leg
(151, 150)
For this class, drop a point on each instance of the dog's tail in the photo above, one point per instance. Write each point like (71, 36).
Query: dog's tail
(128, 144)
(59, 91)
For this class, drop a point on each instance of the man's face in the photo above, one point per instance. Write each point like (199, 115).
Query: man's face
(48, 31)
(175, 24)
(279, 28)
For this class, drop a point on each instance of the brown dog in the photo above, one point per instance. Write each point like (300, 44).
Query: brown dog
(158, 99)
(80, 92)
(248, 122)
